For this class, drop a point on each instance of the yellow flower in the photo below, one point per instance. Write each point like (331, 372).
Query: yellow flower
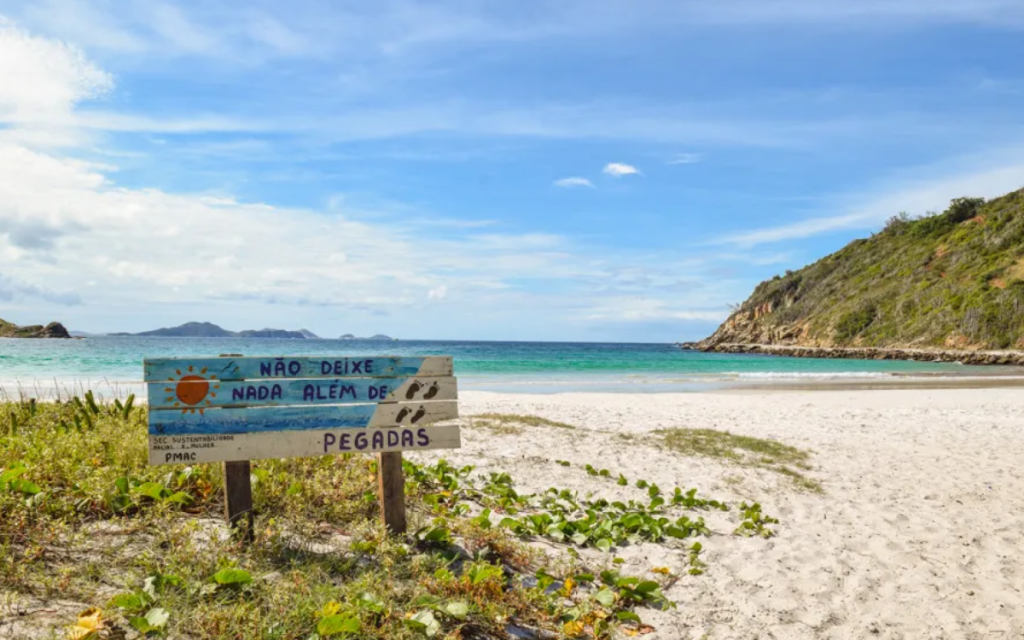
(89, 622)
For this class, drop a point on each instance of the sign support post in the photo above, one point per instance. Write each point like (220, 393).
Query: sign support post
(238, 498)
(391, 491)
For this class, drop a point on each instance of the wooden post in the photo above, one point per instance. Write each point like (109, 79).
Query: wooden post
(391, 487)
(238, 498)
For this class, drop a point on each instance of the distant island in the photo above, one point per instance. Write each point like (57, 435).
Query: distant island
(52, 330)
(376, 337)
(210, 330)
(947, 286)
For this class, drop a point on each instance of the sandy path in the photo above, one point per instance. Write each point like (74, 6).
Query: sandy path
(919, 533)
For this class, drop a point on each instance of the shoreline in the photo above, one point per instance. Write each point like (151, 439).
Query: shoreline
(108, 390)
(961, 356)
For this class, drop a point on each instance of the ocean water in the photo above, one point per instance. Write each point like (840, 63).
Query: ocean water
(114, 364)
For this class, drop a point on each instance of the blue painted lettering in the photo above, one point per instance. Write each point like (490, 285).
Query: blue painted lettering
(393, 438)
(406, 438)
(250, 393)
(422, 438)
(238, 394)
(265, 369)
(360, 441)
(329, 439)
(378, 440)
(275, 392)
(349, 389)
(368, 366)
(325, 367)
(294, 367)
(343, 443)
(279, 369)
(308, 392)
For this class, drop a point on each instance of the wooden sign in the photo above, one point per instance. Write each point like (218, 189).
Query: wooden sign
(214, 409)
(237, 409)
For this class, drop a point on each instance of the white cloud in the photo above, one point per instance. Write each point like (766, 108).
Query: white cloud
(438, 293)
(44, 78)
(618, 169)
(574, 182)
(915, 197)
(684, 158)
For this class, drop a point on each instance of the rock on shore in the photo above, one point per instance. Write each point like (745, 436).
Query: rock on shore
(52, 330)
(867, 353)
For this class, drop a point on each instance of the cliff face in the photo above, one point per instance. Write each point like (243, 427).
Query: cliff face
(953, 280)
(52, 330)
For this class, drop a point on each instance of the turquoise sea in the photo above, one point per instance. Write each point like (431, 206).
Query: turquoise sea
(115, 363)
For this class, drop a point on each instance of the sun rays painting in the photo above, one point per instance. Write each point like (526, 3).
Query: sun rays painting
(192, 389)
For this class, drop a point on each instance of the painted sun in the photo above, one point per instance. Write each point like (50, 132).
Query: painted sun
(193, 390)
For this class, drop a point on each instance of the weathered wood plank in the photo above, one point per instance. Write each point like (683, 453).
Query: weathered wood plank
(195, 449)
(238, 497)
(391, 491)
(272, 367)
(216, 421)
(206, 394)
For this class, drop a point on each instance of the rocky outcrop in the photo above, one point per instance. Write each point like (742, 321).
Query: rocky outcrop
(1015, 358)
(52, 330)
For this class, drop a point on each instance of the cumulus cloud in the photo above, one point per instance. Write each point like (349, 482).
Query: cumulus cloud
(619, 169)
(574, 182)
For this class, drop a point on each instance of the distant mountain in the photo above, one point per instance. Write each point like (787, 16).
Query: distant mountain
(210, 330)
(52, 330)
(376, 337)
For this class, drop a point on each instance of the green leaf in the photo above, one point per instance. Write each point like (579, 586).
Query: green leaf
(605, 596)
(425, 623)
(294, 488)
(628, 616)
(130, 602)
(232, 577)
(12, 474)
(457, 610)
(648, 587)
(338, 625)
(142, 625)
(122, 485)
(372, 602)
(153, 490)
(622, 480)
(604, 544)
(180, 497)
(157, 617)
(26, 487)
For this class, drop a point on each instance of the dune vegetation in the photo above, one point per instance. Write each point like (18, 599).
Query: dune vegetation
(953, 279)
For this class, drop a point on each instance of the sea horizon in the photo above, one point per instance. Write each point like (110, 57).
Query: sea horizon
(112, 365)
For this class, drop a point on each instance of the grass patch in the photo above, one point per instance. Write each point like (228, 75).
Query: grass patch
(84, 519)
(513, 423)
(742, 450)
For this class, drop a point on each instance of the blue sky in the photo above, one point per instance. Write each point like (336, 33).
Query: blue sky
(481, 170)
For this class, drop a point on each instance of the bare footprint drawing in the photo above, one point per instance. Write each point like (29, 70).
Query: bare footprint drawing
(418, 415)
(402, 414)
(413, 390)
(432, 391)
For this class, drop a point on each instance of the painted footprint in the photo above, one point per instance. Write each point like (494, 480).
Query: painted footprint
(413, 390)
(418, 415)
(402, 414)
(432, 391)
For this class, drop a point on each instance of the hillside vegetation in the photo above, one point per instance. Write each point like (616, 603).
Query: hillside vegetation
(953, 280)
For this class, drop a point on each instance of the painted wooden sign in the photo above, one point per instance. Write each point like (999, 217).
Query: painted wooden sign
(235, 408)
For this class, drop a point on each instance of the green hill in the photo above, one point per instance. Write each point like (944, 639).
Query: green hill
(952, 280)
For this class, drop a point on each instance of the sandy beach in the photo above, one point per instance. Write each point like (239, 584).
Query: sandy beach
(918, 532)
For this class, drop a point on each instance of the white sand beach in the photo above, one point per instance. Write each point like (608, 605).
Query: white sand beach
(918, 533)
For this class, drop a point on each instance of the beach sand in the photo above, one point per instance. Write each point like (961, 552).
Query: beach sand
(918, 533)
